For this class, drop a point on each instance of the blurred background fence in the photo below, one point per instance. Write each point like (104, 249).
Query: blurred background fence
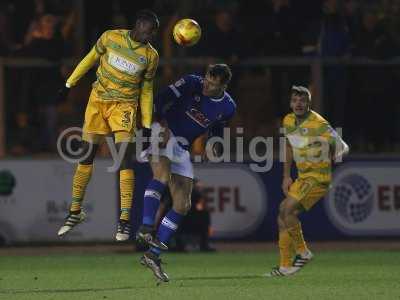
(357, 95)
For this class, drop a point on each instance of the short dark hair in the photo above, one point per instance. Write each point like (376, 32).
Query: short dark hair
(222, 71)
(148, 15)
(301, 90)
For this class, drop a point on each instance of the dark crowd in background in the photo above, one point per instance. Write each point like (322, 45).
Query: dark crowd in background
(359, 98)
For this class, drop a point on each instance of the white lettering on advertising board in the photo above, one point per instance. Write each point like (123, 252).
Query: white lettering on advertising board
(34, 207)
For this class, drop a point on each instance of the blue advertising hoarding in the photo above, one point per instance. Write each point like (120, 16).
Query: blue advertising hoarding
(364, 200)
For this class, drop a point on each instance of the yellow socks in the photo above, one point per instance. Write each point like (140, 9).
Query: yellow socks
(126, 184)
(285, 249)
(81, 179)
(296, 234)
(79, 183)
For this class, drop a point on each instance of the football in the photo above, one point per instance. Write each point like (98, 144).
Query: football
(187, 32)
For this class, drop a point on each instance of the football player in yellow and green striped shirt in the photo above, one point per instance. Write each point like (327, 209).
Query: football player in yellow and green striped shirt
(313, 145)
(127, 66)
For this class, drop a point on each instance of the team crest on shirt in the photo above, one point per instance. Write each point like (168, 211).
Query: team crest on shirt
(142, 59)
(304, 131)
(197, 98)
(219, 116)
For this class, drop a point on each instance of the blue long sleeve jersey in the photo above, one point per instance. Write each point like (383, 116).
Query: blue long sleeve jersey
(189, 113)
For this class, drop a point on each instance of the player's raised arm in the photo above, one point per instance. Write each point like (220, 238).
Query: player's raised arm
(84, 66)
(88, 61)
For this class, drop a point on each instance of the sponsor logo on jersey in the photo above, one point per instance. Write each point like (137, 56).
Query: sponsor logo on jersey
(123, 64)
(198, 117)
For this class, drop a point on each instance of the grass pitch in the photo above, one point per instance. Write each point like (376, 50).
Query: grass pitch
(238, 275)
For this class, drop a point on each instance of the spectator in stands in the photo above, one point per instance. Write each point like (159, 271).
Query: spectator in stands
(372, 40)
(22, 139)
(334, 43)
(281, 33)
(224, 37)
(373, 85)
(43, 40)
(281, 37)
(392, 24)
(6, 44)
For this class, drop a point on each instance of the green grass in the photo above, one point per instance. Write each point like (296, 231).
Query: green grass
(332, 275)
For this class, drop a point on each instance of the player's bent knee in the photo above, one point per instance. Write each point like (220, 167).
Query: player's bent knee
(291, 207)
(161, 169)
(89, 152)
(281, 223)
(188, 206)
(182, 207)
(161, 175)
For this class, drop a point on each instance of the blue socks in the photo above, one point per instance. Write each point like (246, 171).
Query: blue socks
(168, 227)
(152, 196)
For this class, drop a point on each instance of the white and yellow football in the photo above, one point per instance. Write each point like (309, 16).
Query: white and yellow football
(187, 32)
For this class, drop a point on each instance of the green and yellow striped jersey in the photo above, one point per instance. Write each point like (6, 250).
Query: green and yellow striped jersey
(124, 64)
(312, 141)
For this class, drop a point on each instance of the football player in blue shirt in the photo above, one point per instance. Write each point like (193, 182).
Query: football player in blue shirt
(184, 111)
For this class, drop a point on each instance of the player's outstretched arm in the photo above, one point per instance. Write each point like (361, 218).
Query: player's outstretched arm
(81, 69)
(85, 64)
(89, 60)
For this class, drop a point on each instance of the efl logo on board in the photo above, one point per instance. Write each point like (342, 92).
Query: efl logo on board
(236, 198)
(365, 198)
